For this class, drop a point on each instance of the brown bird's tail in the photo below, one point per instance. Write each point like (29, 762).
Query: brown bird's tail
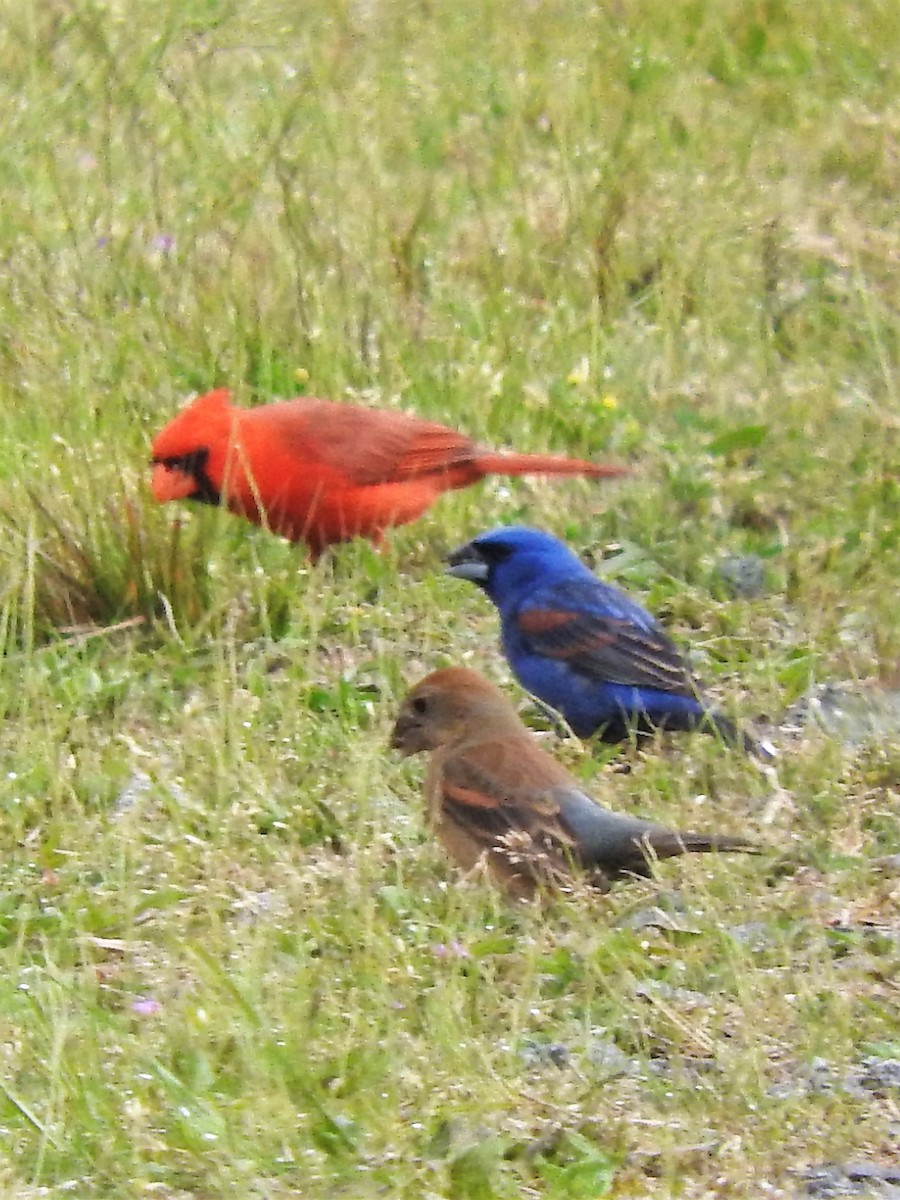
(665, 843)
(488, 462)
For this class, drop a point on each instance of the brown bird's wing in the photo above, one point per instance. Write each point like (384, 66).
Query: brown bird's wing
(499, 796)
(366, 445)
(495, 784)
(600, 633)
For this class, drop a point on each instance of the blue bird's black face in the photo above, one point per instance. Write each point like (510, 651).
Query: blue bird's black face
(475, 562)
(506, 557)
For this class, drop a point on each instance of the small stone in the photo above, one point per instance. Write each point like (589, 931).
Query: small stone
(542, 1054)
(852, 1179)
(862, 1172)
(608, 1060)
(820, 1075)
(136, 787)
(877, 1076)
(853, 713)
(755, 935)
(743, 574)
(658, 989)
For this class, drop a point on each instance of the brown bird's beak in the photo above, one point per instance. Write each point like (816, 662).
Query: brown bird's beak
(171, 483)
(403, 735)
(467, 562)
(412, 732)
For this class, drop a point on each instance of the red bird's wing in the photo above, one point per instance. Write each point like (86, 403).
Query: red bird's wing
(368, 446)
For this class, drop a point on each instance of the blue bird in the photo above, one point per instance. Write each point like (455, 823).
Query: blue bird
(582, 646)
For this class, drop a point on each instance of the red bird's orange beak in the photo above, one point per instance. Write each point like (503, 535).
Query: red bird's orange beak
(171, 483)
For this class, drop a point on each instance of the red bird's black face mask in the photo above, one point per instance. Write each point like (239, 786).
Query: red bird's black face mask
(183, 477)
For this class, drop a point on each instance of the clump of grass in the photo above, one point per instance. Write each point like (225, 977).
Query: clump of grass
(79, 565)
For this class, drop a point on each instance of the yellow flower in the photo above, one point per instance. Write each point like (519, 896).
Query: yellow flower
(301, 375)
(609, 402)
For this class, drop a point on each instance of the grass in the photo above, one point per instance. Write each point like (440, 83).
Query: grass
(233, 962)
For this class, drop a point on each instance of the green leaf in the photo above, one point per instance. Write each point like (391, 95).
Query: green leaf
(589, 1175)
(745, 437)
(493, 943)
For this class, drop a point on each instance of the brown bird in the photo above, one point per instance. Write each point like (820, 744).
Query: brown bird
(493, 795)
(319, 472)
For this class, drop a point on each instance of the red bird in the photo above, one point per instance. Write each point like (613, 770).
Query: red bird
(319, 472)
(494, 796)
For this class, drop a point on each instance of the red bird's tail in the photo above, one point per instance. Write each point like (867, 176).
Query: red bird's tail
(490, 463)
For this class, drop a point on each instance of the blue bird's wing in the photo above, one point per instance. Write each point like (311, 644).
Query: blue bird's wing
(603, 635)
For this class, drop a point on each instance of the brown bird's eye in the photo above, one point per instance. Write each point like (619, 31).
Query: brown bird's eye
(419, 705)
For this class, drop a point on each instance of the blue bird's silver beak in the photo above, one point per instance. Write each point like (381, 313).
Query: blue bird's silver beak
(467, 563)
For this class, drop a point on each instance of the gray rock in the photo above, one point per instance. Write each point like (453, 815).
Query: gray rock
(803, 1078)
(852, 1179)
(544, 1054)
(755, 935)
(658, 989)
(876, 1076)
(744, 575)
(607, 1060)
(848, 711)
